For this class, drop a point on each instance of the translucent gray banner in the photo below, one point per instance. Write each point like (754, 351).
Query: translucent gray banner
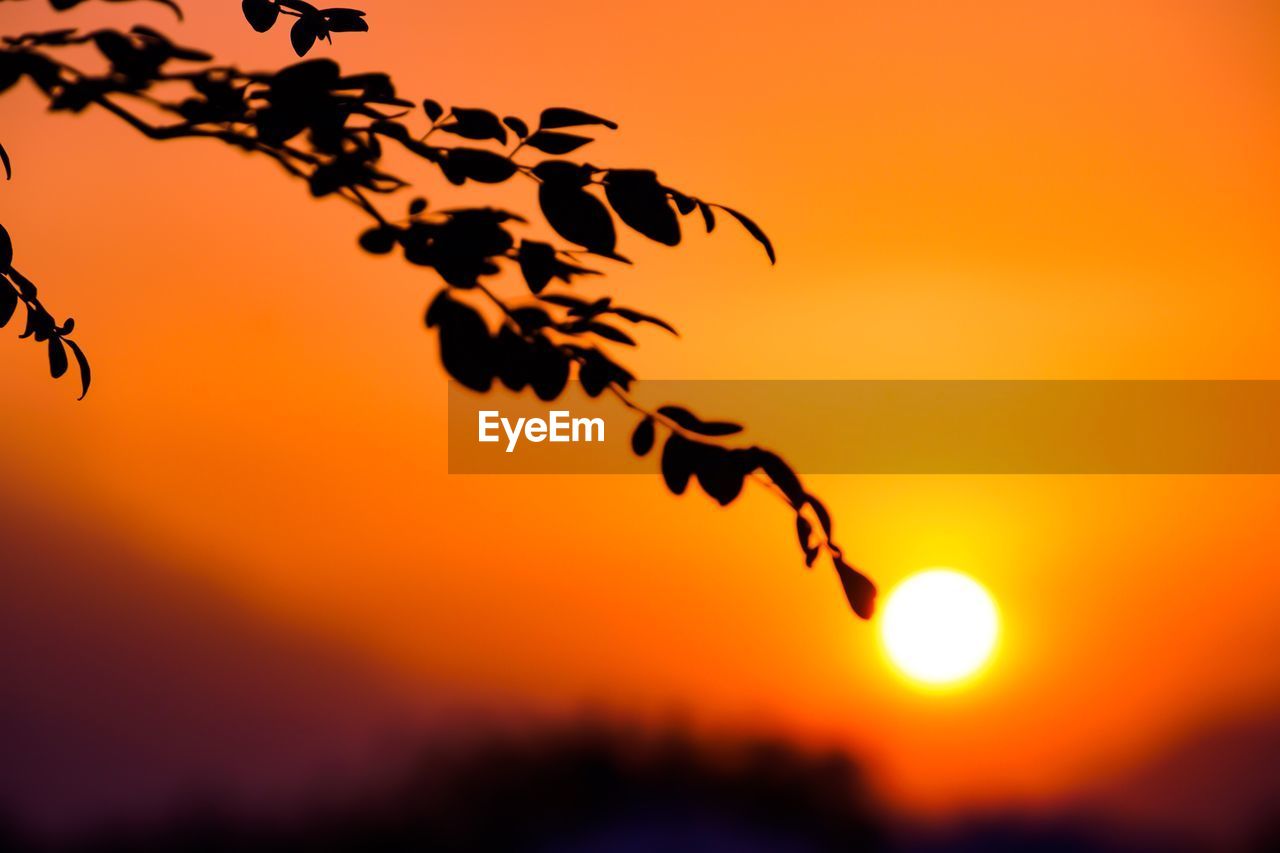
(893, 426)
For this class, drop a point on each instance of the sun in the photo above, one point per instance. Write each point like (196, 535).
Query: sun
(939, 627)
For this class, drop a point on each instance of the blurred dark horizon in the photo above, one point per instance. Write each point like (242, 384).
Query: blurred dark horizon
(592, 785)
(145, 711)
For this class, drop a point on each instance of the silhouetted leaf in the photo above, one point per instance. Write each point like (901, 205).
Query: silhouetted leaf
(84, 367)
(719, 472)
(577, 216)
(597, 371)
(591, 310)
(531, 319)
(25, 288)
(642, 439)
(551, 142)
(432, 109)
(610, 333)
(476, 124)
(860, 591)
(782, 476)
(804, 532)
(511, 359)
(439, 309)
(346, 21)
(684, 204)
(342, 172)
(158, 44)
(593, 378)
(549, 370)
(634, 316)
(10, 73)
(465, 345)
(641, 202)
(125, 57)
(8, 167)
(752, 229)
(518, 127)
(478, 165)
(677, 463)
(44, 72)
(554, 117)
(563, 173)
(463, 248)
(303, 35)
(376, 87)
(38, 325)
(261, 14)
(277, 126)
(8, 302)
(708, 217)
(306, 80)
(691, 422)
(50, 37)
(819, 510)
(379, 240)
(57, 358)
(6, 250)
(565, 301)
(537, 263)
(173, 6)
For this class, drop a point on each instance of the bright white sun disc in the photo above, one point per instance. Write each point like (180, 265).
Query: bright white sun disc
(939, 626)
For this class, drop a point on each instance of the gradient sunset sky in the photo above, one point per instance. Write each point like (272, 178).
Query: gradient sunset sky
(996, 190)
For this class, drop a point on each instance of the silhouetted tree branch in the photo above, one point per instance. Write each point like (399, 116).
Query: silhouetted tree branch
(332, 130)
(310, 23)
(16, 289)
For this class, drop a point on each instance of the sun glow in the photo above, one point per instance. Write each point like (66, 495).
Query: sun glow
(939, 627)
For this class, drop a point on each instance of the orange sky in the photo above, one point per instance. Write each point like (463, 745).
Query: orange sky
(1022, 191)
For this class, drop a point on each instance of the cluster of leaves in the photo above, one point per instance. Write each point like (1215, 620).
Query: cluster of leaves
(688, 455)
(16, 289)
(311, 23)
(574, 198)
(333, 130)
